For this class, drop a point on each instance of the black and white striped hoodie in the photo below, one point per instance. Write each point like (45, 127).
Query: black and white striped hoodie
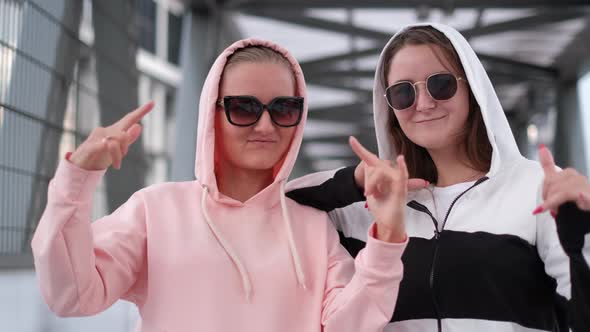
(492, 266)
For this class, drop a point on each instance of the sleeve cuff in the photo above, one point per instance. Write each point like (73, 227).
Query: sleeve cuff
(381, 253)
(75, 183)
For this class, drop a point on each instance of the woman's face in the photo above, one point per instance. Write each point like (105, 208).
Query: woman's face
(429, 123)
(261, 145)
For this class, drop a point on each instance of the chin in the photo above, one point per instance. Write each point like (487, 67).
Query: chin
(260, 164)
(431, 142)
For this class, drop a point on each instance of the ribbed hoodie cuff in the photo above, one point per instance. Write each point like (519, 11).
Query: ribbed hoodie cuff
(382, 253)
(77, 184)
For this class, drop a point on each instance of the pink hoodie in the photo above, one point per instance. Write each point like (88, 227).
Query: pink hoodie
(193, 259)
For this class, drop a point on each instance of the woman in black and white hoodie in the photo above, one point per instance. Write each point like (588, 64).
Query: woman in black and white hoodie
(478, 258)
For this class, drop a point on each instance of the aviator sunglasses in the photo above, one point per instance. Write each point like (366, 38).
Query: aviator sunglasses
(245, 111)
(440, 86)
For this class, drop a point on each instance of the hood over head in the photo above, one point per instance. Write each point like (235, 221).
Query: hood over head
(205, 154)
(205, 160)
(499, 134)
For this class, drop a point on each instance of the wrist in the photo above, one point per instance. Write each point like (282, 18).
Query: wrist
(390, 234)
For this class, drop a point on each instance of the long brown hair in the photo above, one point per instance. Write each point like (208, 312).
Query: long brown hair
(418, 160)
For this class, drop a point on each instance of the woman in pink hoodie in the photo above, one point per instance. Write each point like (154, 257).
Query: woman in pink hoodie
(227, 251)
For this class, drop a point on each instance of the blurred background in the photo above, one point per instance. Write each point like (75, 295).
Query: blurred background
(67, 66)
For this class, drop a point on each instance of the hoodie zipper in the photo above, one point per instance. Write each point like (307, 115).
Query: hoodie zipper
(419, 207)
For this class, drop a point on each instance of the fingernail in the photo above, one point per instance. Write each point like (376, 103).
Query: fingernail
(538, 210)
(554, 215)
(366, 205)
(541, 146)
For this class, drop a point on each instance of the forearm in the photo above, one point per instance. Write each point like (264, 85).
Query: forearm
(62, 243)
(367, 302)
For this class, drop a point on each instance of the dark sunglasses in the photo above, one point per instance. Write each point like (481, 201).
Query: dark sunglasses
(440, 86)
(245, 111)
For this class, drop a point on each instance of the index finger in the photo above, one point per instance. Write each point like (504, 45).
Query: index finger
(134, 117)
(546, 160)
(367, 156)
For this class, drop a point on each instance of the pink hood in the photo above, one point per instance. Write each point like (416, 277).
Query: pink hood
(205, 156)
(206, 130)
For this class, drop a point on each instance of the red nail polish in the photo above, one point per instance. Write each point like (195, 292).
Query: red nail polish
(538, 210)
(366, 205)
(554, 215)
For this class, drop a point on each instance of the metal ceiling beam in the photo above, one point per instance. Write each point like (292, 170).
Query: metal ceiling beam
(501, 70)
(519, 65)
(339, 73)
(340, 86)
(328, 60)
(574, 55)
(523, 23)
(516, 24)
(339, 108)
(300, 18)
(397, 4)
(352, 113)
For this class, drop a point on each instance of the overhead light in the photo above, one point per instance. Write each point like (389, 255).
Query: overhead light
(533, 134)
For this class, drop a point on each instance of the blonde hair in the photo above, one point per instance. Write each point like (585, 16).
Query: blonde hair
(257, 54)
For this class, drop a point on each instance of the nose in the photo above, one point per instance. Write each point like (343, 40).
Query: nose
(264, 124)
(424, 101)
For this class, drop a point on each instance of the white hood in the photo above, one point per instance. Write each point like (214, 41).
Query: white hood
(504, 146)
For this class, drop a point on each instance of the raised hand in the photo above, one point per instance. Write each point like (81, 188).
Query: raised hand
(359, 179)
(108, 146)
(386, 189)
(561, 186)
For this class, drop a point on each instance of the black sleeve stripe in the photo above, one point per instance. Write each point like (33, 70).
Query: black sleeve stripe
(572, 226)
(579, 306)
(337, 192)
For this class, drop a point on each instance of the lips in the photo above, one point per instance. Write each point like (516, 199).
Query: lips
(262, 143)
(430, 120)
